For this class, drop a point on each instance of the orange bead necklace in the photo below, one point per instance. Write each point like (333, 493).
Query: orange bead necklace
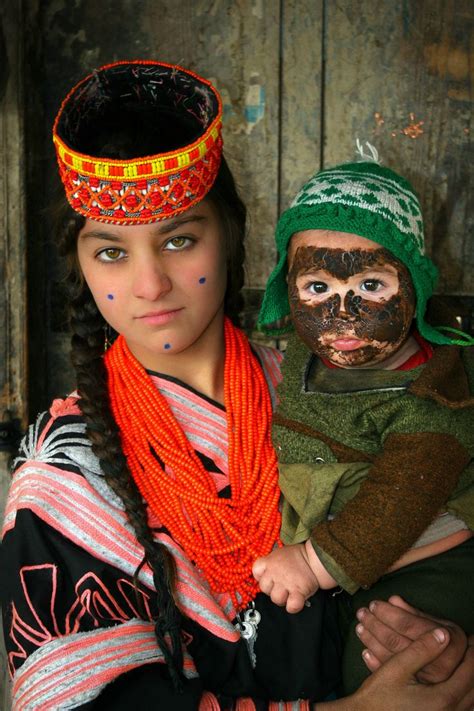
(221, 536)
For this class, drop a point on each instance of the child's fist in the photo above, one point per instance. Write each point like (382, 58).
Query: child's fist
(285, 575)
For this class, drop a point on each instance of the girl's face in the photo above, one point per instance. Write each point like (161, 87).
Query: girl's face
(160, 285)
(352, 302)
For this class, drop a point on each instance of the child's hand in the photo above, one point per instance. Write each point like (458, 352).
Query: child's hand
(285, 575)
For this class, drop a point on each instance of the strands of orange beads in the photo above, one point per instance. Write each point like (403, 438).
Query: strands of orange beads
(221, 536)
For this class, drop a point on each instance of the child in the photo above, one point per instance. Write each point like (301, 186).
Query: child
(374, 430)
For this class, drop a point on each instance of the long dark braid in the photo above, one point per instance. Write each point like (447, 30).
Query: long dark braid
(233, 217)
(87, 358)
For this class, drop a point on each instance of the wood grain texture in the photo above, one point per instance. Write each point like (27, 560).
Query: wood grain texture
(301, 95)
(13, 322)
(12, 239)
(397, 60)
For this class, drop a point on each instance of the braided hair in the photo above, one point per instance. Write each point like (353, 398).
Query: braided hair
(87, 349)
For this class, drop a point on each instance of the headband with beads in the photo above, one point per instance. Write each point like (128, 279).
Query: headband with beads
(147, 188)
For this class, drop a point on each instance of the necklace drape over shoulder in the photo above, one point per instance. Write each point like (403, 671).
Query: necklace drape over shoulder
(222, 536)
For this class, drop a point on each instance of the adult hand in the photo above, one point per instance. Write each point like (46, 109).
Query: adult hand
(389, 627)
(394, 687)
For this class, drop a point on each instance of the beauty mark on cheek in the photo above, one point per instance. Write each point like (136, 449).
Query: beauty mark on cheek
(167, 346)
(110, 297)
(202, 280)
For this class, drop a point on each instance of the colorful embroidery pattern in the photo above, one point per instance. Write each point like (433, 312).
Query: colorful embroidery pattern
(61, 510)
(148, 188)
(92, 601)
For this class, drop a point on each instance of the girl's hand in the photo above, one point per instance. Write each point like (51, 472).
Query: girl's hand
(286, 576)
(394, 687)
(389, 627)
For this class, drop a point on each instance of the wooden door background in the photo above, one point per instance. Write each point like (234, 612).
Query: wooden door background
(300, 81)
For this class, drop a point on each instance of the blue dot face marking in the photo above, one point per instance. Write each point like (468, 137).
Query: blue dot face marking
(110, 297)
(202, 280)
(167, 346)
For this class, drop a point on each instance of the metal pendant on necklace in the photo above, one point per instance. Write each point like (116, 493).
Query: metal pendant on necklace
(247, 625)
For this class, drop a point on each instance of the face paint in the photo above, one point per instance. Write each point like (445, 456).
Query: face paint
(337, 309)
(110, 296)
(167, 346)
(202, 280)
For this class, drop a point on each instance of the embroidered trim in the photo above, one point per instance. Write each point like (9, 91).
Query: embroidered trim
(142, 189)
(152, 167)
(72, 670)
(92, 601)
(68, 504)
(142, 199)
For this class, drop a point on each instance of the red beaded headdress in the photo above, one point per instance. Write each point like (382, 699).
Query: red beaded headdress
(144, 188)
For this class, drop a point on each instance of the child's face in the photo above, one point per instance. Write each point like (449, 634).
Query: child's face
(352, 302)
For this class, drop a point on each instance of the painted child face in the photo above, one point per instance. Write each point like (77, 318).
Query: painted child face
(352, 302)
(161, 285)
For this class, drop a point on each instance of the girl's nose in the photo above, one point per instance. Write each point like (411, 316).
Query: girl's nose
(150, 281)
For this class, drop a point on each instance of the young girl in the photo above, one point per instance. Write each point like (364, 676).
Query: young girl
(140, 502)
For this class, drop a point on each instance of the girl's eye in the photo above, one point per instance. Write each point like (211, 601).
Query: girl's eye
(371, 285)
(317, 287)
(176, 243)
(111, 254)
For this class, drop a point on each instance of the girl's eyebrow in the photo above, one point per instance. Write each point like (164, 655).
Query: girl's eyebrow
(160, 230)
(178, 222)
(97, 234)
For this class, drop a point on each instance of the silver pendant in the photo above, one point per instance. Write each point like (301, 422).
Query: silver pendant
(247, 625)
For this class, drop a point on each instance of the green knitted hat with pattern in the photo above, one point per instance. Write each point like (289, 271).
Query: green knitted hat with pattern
(368, 200)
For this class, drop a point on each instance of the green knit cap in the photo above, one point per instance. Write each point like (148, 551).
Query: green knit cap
(364, 199)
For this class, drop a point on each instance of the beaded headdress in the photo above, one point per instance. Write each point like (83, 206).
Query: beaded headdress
(184, 112)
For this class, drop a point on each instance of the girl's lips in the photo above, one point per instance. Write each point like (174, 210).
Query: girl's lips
(347, 344)
(159, 318)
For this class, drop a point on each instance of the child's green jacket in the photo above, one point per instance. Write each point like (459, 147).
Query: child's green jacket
(369, 459)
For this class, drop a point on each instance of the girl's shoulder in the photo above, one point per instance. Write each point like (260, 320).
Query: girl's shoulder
(57, 446)
(56, 464)
(50, 438)
(270, 359)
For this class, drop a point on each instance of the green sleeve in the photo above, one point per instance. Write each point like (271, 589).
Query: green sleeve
(395, 503)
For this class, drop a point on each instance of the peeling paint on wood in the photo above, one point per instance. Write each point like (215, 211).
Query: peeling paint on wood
(301, 95)
(412, 59)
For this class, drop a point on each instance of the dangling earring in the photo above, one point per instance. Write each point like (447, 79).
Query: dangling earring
(108, 337)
